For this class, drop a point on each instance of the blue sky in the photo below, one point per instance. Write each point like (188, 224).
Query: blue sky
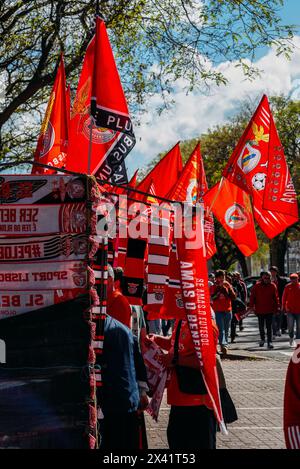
(195, 113)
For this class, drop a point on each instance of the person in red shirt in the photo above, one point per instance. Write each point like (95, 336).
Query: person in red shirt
(291, 402)
(192, 424)
(118, 306)
(291, 304)
(264, 301)
(222, 294)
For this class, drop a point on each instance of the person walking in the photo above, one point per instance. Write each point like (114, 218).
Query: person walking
(222, 295)
(291, 305)
(265, 303)
(192, 424)
(238, 305)
(279, 324)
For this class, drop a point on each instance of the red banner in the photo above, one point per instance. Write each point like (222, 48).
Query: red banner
(53, 141)
(196, 299)
(48, 189)
(20, 220)
(47, 275)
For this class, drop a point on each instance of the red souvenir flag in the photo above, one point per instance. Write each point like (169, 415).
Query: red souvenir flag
(271, 223)
(231, 206)
(279, 193)
(165, 174)
(68, 101)
(108, 103)
(53, 140)
(196, 300)
(108, 146)
(190, 187)
(291, 408)
(248, 163)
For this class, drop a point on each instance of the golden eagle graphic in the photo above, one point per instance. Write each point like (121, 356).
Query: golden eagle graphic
(259, 133)
(79, 105)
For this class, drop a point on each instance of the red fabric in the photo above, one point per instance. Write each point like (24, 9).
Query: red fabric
(186, 347)
(250, 156)
(271, 223)
(258, 166)
(165, 174)
(190, 187)
(264, 298)
(173, 302)
(196, 298)
(80, 122)
(291, 408)
(231, 206)
(118, 308)
(53, 140)
(291, 298)
(279, 194)
(223, 295)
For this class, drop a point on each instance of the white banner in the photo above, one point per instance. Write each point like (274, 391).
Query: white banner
(33, 189)
(60, 247)
(20, 220)
(45, 275)
(14, 303)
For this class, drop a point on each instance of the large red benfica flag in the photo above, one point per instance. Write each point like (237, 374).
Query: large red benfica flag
(231, 205)
(258, 166)
(111, 138)
(165, 174)
(196, 300)
(190, 187)
(53, 140)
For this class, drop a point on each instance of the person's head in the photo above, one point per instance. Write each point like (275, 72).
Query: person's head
(265, 277)
(220, 276)
(228, 277)
(294, 278)
(237, 275)
(211, 277)
(118, 274)
(274, 271)
(110, 279)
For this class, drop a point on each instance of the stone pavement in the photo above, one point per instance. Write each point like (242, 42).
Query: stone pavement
(255, 378)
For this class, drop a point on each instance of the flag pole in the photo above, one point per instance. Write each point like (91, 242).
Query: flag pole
(217, 193)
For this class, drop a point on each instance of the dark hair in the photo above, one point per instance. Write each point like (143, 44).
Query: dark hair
(220, 273)
(265, 272)
(118, 271)
(273, 267)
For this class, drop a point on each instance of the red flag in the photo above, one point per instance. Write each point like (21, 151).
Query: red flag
(53, 140)
(247, 165)
(165, 174)
(190, 187)
(271, 223)
(231, 205)
(108, 103)
(279, 194)
(108, 146)
(196, 299)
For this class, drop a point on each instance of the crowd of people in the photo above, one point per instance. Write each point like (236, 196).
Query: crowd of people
(125, 394)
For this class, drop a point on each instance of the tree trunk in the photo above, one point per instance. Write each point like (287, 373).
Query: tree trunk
(243, 264)
(278, 248)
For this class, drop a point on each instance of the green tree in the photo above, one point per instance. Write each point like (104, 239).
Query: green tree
(155, 42)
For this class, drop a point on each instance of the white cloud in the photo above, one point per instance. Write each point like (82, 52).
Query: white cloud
(193, 114)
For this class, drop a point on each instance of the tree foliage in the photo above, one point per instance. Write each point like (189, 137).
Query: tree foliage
(155, 42)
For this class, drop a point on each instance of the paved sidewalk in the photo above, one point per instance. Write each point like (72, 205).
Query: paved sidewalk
(256, 384)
